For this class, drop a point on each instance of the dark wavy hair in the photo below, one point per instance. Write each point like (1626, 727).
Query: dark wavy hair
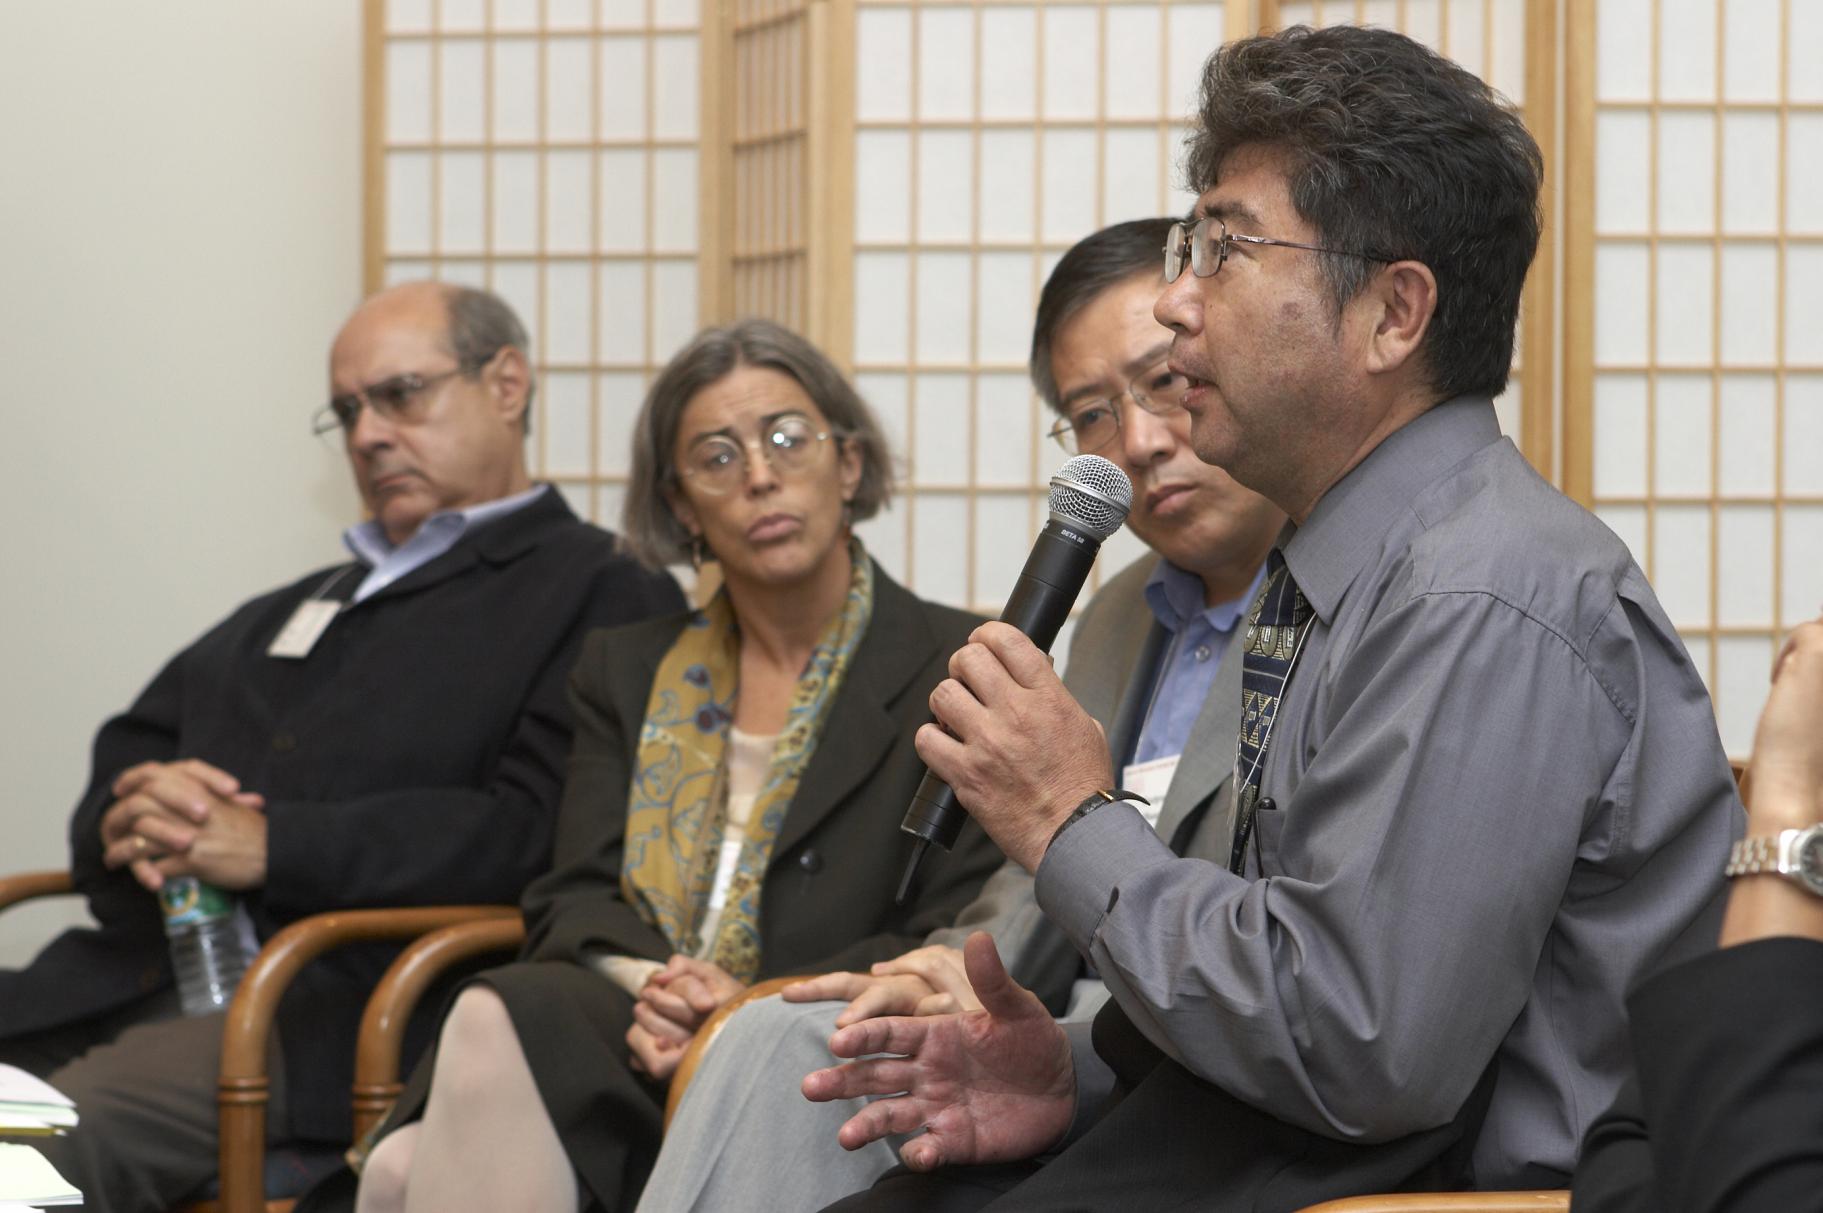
(1093, 264)
(1397, 152)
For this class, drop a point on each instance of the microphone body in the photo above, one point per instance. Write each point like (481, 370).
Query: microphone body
(1089, 500)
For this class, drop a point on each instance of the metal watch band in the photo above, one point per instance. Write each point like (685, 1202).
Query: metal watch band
(1760, 853)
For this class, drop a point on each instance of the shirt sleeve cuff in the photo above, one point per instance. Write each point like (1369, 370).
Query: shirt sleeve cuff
(1078, 880)
(630, 973)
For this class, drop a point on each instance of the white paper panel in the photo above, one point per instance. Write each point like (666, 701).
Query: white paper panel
(885, 394)
(1628, 522)
(1003, 537)
(673, 307)
(406, 270)
(1699, 650)
(1297, 12)
(674, 222)
(1620, 299)
(946, 63)
(1622, 197)
(1071, 66)
(620, 312)
(939, 562)
(675, 86)
(882, 45)
(569, 14)
(675, 14)
(1009, 79)
(569, 98)
(1465, 41)
(1507, 71)
(462, 195)
(566, 312)
(1008, 170)
(1620, 435)
(1744, 574)
(408, 16)
(568, 204)
(515, 91)
(619, 396)
(1750, 172)
(515, 202)
(884, 535)
(1749, 303)
(946, 185)
(881, 313)
(517, 283)
(1507, 410)
(1623, 52)
(1804, 174)
(1424, 20)
(1686, 172)
(1749, 433)
(1005, 436)
(462, 15)
(1003, 312)
(1130, 175)
(1680, 563)
(1803, 445)
(622, 14)
(623, 199)
(1179, 198)
(1743, 670)
(407, 202)
(1686, 68)
(940, 454)
(408, 92)
(623, 87)
(1681, 434)
(943, 312)
(1068, 196)
(1801, 567)
(1686, 305)
(516, 15)
(466, 273)
(1193, 31)
(1130, 61)
(463, 114)
(560, 421)
(1750, 50)
(1804, 304)
(882, 185)
(1804, 61)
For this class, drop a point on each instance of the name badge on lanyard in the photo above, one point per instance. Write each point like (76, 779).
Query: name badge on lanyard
(307, 623)
(1151, 780)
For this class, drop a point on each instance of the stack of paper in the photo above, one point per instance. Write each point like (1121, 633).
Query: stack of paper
(31, 1105)
(27, 1177)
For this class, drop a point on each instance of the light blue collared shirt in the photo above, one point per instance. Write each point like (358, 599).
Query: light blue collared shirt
(438, 534)
(1199, 637)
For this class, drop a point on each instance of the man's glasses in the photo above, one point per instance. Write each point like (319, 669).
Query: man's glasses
(790, 445)
(1205, 245)
(1088, 426)
(399, 398)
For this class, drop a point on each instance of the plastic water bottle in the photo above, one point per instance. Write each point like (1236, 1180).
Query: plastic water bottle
(210, 942)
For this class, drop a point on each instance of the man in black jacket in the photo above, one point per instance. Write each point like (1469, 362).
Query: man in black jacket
(389, 731)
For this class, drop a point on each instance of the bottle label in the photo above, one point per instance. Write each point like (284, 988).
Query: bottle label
(187, 901)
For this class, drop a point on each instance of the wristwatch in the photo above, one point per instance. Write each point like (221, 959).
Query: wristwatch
(1797, 855)
(1096, 799)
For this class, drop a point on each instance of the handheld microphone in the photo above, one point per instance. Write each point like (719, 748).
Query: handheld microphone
(1089, 500)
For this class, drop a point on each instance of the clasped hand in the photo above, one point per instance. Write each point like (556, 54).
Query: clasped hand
(672, 1005)
(1019, 751)
(926, 981)
(185, 818)
(988, 1085)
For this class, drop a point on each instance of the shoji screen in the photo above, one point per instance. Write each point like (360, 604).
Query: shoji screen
(1694, 315)
(990, 137)
(1511, 44)
(548, 149)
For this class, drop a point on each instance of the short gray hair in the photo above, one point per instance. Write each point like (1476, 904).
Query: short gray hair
(481, 324)
(651, 530)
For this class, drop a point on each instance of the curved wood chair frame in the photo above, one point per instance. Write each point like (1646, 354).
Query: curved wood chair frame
(1450, 1202)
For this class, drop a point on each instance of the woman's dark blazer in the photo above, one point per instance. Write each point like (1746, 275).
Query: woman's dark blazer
(827, 900)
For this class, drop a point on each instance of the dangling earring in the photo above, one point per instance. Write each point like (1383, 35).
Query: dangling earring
(699, 551)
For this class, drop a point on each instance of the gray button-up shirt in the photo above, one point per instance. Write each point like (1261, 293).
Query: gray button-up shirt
(1501, 799)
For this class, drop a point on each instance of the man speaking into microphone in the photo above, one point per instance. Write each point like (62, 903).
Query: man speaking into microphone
(1479, 789)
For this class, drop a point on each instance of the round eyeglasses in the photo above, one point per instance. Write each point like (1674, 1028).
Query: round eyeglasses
(1205, 246)
(790, 445)
(1092, 425)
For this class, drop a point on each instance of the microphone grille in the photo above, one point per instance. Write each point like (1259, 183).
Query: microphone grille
(1094, 494)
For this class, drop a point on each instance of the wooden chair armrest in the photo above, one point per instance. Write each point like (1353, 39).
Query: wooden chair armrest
(242, 1090)
(28, 886)
(705, 1036)
(1450, 1202)
(376, 1061)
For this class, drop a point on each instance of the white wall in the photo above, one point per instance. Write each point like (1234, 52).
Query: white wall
(179, 238)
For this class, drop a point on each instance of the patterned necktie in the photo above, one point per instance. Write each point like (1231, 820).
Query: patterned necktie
(1275, 632)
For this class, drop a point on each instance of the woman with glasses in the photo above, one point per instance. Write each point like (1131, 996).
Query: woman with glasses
(732, 804)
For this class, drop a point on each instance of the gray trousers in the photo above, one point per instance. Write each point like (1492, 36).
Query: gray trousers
(745, 1137)
(147, 1135)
